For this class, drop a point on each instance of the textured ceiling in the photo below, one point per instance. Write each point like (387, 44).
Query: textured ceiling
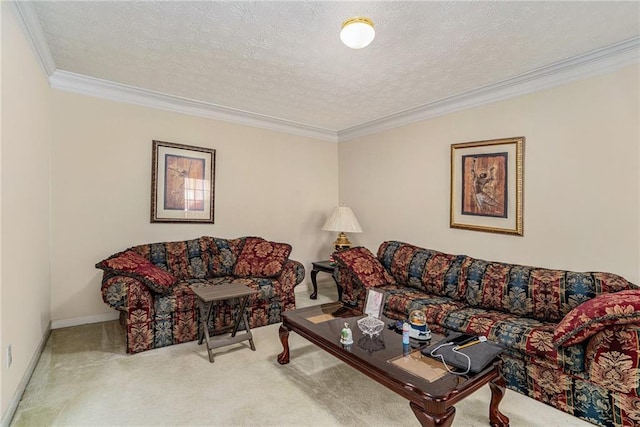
(285, 59)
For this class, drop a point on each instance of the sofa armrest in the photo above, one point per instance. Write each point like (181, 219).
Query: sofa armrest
(613, 359)
(358, 269)
(292, 275)
(594, 315)
(131, 264)
(353, 293)
(127, 294)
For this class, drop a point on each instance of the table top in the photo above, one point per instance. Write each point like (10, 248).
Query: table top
(221, 292)
(322, 324)
(324, 264)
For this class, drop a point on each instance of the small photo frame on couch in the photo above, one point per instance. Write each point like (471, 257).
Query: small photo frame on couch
(374, 303)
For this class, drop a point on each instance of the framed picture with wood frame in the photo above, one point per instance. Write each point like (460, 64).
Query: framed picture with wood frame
(487, 186)
(182, 183)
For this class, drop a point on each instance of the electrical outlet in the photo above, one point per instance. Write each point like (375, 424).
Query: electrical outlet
(9, 357)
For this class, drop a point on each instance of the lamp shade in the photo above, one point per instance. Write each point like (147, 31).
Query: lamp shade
(342, 219)
(357, 32)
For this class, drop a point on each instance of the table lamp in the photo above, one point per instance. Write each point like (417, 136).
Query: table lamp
(342, 220)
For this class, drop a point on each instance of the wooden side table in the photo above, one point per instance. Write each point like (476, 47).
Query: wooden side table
(208, 295)
(325, 267)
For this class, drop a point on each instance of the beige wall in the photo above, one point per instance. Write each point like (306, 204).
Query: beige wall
(269, 184)
(24, 174)
(581, 184)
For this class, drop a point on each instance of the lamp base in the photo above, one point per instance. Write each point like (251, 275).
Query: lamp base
(342, 242)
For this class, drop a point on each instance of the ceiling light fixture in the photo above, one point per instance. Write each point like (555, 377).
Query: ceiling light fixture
(357, 32)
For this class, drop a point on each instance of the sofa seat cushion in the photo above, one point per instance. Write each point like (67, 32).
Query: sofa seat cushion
(590, 317)
(266, 287)
(538, 293)
(423, 269)
(182, 298)
(261, 258)
(400, 301)
(528, 336)
(134, 265)
(264, 307)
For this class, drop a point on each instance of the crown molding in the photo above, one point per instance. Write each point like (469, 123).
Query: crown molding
(30, 25)
(78, 83)
(86, 85)
(583, 66)
(590, 64)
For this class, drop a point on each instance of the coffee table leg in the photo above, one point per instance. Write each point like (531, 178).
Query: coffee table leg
(433, 420)
(283, 358)
(497, 418)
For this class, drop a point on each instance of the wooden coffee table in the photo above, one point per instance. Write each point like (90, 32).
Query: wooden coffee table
(432, 402)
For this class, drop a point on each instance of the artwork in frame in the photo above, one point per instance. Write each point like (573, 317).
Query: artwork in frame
(487, 186)
(182, 183)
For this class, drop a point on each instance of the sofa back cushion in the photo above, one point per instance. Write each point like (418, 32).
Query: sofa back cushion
(222, 255)
(424, 269)
(184, 259)
(539, 293)
(261, 258)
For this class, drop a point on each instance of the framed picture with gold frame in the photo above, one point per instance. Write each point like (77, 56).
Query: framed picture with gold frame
(487, 186)
(182, 183)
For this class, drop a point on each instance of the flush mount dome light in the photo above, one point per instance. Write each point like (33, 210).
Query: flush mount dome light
(357, 32)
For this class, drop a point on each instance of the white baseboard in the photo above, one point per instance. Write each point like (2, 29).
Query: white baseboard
(76, 321)
(303, 288)
(13, 404)
(307, 287)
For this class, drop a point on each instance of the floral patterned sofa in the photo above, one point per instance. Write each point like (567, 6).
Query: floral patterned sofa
(150, 285)
(572, 340)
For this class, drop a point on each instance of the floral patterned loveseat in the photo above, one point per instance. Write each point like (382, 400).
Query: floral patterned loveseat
(572, 340)
(150, 285)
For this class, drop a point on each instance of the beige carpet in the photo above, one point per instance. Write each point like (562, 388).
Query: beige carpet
(84, 378)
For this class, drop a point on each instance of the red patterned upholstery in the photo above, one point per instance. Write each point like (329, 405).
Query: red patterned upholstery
(261, 258)
(221, 255)
(367, 269)
(571, 339)
(590, 317)
(613, 359)
(130, 264)
(400, 301)
(424, 269)
(534, 292)
(153, 320)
